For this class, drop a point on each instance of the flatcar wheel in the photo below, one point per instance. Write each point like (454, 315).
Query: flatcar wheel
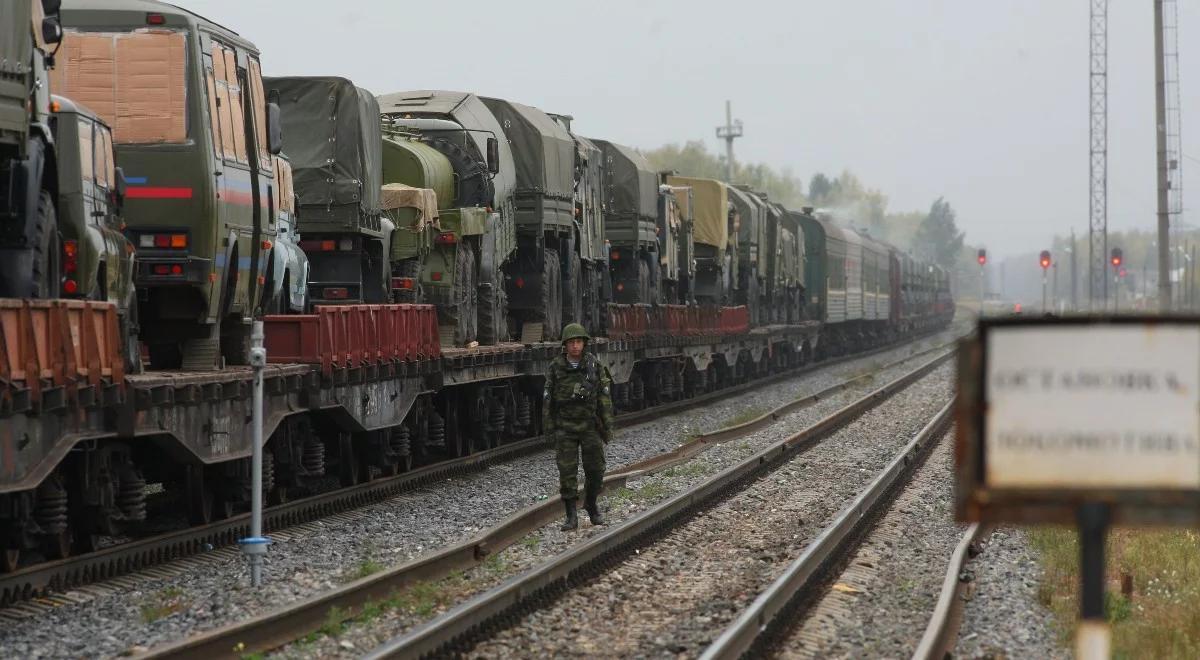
(57, 545)
(10, 559)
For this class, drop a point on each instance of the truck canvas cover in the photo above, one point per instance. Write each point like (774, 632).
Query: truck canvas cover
(543, 150)
(631, 183)
(16, 48)
(753, 212)
(331, 134)
(423, 200)
(710, 199)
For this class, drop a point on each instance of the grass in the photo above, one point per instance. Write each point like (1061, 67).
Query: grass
(421, 599)
(649, 492)
(1160, 618)
(364, 568)
(689, 469)
(744, 416)
(162, 604)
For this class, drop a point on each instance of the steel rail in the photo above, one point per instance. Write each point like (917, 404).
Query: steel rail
(454, 631)
(40, 579)
(770, 613)
(295, 620)
(941, 634)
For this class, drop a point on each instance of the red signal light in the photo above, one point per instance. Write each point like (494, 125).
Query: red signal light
(982, 257)
(1044, 260)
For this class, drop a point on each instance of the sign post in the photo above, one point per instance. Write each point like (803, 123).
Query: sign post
(1081, 421)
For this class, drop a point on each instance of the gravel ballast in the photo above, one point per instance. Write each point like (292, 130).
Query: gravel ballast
(644, 493)
(213, 590)
(880, 604)
(1004, 617)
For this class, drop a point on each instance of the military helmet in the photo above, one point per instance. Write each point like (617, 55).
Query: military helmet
(575, 331)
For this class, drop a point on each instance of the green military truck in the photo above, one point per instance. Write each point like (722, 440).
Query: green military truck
(545, 280)
(679, 263)
(437, 243)
(463, 272)
(595, 282)
(331, 136)
(97, 259)
(194, 135)
(29, 249)
(631, 224)
(714, 239)
(752, 243)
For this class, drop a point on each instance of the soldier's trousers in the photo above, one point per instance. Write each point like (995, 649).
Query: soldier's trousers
(568, 447)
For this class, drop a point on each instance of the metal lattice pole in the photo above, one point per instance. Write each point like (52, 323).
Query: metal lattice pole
(731, 130)
(1098, 158)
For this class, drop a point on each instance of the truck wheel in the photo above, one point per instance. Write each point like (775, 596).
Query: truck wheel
(463, 295)
(46, 272)
(551, 296)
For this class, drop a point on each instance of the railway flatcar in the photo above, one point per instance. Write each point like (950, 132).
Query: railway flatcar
(737, 287)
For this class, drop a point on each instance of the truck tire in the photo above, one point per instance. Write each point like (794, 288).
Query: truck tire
(463, 296)
(46, 276)
(551, 296)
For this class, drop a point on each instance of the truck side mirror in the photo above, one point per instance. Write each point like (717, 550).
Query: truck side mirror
(274, 131)
(493, 155)
(118, 189)
(52, 32)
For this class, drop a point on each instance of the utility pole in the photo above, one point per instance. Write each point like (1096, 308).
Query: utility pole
(1168, 141)
(1074, 249)
(729, 132)
(1098, 158)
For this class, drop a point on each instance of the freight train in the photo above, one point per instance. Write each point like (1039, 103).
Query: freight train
(412, 288)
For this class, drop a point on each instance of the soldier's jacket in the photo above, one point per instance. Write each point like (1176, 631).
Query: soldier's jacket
(578, 399)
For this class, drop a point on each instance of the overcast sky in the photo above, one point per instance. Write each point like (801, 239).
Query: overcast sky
(979, 101)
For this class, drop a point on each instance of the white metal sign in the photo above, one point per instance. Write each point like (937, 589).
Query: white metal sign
(1092, 406)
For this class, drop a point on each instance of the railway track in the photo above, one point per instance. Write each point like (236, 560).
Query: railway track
(293, 621)
(745, 497)
(45, 581)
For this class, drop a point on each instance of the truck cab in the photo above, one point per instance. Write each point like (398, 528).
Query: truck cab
(97, 261)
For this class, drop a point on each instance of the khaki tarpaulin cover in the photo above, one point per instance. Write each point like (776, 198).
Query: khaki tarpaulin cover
(134, 81)
(711, 200)
(400, 196)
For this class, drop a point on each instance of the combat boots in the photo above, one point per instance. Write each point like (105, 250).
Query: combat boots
(572, 521)
(593, 509)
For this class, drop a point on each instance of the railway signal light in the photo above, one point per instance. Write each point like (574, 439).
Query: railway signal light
(1116, 257)
(1044, 260)
(982, 256)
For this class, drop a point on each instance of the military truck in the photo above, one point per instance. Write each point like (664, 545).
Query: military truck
(752, 249)
(596, 284)
(97, 259)
(435, 247)
(287, 274)
(679, 263)
(332, 137)
(715, 239)
(29, 249)
(194, 135)
(461, 128)
(544, 279)
(631, 224)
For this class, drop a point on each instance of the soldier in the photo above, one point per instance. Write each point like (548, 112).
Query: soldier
(577, 414)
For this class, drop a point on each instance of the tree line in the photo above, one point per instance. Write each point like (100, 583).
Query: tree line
(932, 235)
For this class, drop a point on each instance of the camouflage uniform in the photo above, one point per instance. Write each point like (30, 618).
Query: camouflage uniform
(577, 412)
